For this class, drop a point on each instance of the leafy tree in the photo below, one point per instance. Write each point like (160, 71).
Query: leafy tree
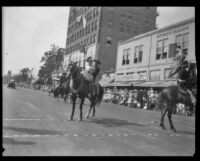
(52, 59)
(25, 72)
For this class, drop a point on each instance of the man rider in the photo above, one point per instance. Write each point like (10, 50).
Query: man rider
(182, 70)
(91, 67)
(63, 78)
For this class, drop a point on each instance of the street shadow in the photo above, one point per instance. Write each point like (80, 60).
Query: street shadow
(10, 141)
(34, 131)
(185, 132)
(111, 122)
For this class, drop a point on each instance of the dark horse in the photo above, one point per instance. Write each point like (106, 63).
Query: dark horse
(62, 91)
(170, 96)
(80, 88)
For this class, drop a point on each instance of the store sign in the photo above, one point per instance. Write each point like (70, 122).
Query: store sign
(132, 77)
(174, 31)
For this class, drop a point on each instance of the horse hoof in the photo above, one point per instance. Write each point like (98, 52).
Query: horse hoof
(80, 119)
(87, 116)
(163, 127)
(70, 119)
(173, 130)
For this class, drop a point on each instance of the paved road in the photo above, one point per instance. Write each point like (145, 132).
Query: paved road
(36, 124)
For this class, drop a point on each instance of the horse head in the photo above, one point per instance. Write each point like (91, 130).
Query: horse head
(73, 69)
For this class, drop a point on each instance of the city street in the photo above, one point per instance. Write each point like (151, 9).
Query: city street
(35, 124)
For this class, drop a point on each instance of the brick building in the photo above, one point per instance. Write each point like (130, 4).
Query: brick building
(101, 28)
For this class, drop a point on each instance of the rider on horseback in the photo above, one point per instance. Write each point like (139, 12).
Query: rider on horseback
(182, 70)
(91, 73)
(63, 78)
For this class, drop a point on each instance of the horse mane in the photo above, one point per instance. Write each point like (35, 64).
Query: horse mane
(193, 77)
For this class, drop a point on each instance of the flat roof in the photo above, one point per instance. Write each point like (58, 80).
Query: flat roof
(158, 30)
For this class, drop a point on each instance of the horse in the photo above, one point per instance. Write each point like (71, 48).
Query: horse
(80, 88)
(170, 96)
(65, 90)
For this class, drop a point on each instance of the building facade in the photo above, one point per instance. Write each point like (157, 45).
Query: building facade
(147, 57)
(101, 28)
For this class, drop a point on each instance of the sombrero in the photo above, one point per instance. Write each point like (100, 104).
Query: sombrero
(89, 58)
(97, 61)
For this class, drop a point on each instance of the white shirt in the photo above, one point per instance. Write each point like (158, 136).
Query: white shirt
(87, 67)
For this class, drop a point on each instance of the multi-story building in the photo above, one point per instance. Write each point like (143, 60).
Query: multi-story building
(101, 28)
(146, 60)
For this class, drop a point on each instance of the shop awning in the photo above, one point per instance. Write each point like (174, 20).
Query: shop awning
(156, 84)
(143, 84)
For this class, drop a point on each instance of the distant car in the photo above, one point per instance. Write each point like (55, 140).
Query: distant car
(11, 84)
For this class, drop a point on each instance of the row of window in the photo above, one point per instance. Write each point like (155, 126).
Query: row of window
(137, 55)
(77, 46)
(81, 10)
(154, 75)
(181, 41)
(82, 32)
(161, 49)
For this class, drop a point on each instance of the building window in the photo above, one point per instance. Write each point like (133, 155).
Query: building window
(95, 27)
(94, 11)
(94, 39)
(108, 40)
(120, 73)
(162, 49)
(138, 54)
(166, 74)
(126, 55)
(129, 16)
(165, 49)
(88, 28)
(178, 41)
(128, 29)
(121, 29)
(185, 43)
(159, 49)
(154, 75)
(92, 28)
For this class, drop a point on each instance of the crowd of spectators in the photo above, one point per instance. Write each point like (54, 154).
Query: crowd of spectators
(142, 99)
(145, 99)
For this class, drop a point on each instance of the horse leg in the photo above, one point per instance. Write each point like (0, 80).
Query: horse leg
(73, 97)
(91, 105)
(169, 114)
(162, 118)
(94, 111)
(81, 107)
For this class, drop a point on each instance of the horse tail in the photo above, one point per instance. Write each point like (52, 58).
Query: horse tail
(100, 95)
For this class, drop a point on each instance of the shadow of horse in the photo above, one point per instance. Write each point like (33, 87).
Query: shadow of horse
(185, 132)
(111, 122)
(10, 141)
(33, 131)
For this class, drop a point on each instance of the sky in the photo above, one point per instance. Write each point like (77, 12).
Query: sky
(29, 31)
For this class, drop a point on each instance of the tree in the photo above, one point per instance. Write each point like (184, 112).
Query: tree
(52, 60)
(25, 72)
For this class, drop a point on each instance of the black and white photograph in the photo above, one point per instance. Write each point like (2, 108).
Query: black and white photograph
(98, 81)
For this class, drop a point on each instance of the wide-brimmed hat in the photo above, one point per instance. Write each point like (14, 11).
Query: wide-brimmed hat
(97, 61)
(89, 58)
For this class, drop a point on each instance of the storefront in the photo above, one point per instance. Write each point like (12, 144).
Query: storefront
(149, 57)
